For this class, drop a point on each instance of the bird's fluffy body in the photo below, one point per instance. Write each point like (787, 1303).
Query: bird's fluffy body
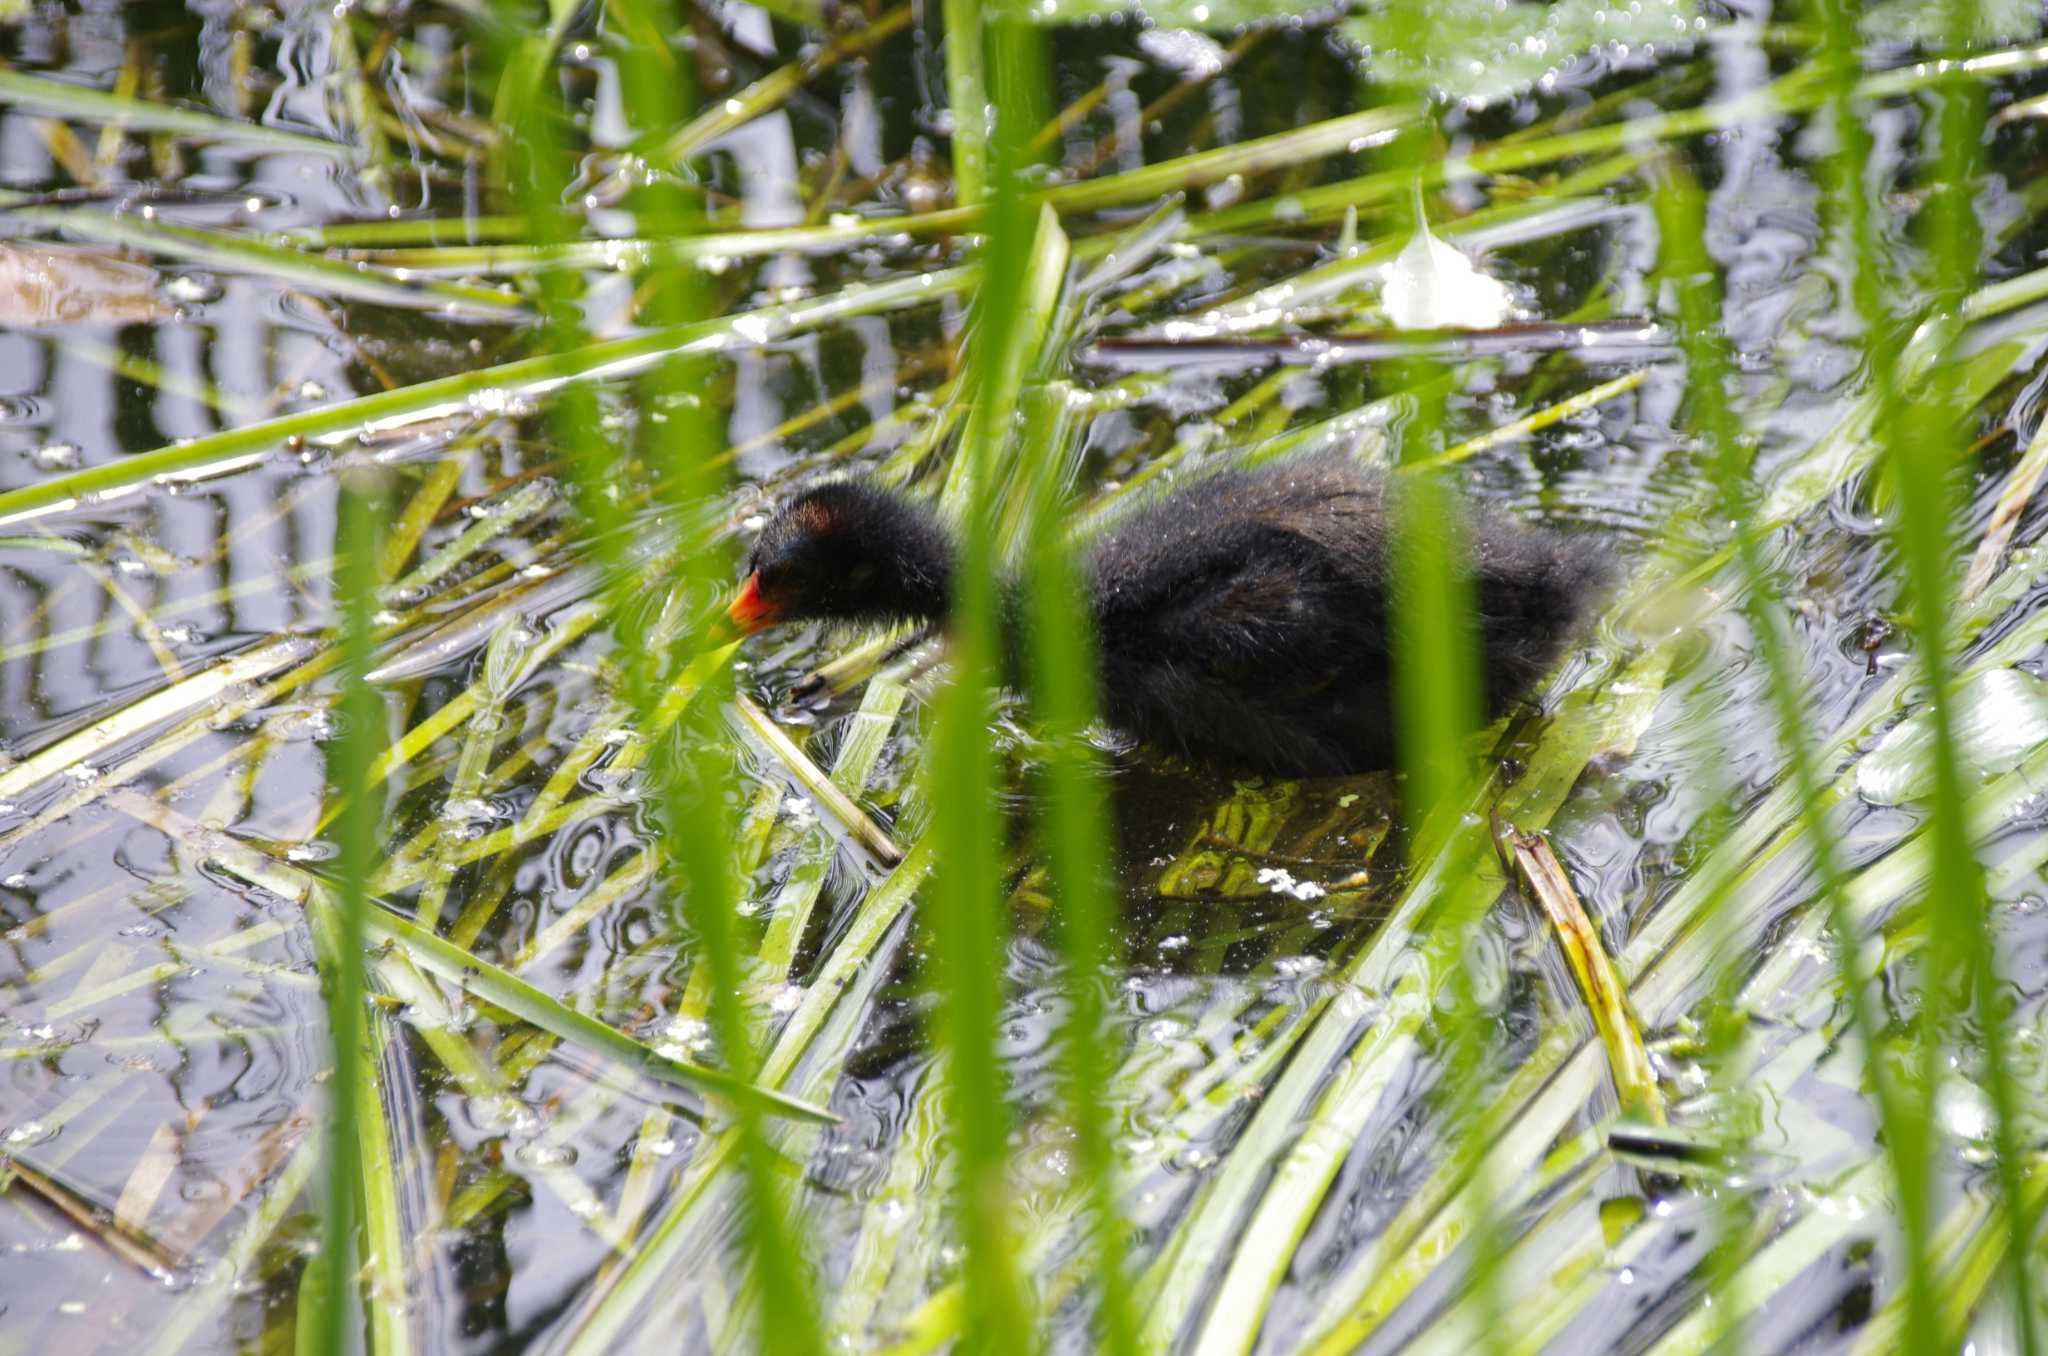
(1247, 617)
(1242, 618)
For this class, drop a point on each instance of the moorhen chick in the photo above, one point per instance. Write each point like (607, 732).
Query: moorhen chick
(1241, 618)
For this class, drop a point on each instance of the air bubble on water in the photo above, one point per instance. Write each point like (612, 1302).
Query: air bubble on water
(543, 1155)
(466, 809)
(57, 456)
(186, 289)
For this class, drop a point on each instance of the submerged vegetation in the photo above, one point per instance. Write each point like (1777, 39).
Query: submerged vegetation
(426, 929)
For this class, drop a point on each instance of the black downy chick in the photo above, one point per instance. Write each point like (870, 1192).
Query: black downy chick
(1241, 619)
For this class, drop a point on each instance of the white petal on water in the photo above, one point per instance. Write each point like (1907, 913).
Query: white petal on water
(1433, 286)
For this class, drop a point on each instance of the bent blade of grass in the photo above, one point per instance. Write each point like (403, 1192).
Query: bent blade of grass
(487, 1086)
(1606, 997)
(859, 749)
(823, 789)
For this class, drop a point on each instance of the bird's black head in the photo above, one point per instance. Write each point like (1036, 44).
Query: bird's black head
(846, 551)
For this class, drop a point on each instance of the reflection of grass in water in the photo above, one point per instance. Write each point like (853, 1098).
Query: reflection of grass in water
(527, 696)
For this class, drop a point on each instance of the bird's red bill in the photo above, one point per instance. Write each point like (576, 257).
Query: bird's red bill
(750, 611)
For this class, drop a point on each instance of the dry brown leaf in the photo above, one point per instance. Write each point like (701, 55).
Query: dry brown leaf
(44, 285)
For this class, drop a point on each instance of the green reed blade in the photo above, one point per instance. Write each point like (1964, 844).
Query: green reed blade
(66, 100)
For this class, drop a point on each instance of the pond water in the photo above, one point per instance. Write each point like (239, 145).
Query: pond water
(167, 687)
